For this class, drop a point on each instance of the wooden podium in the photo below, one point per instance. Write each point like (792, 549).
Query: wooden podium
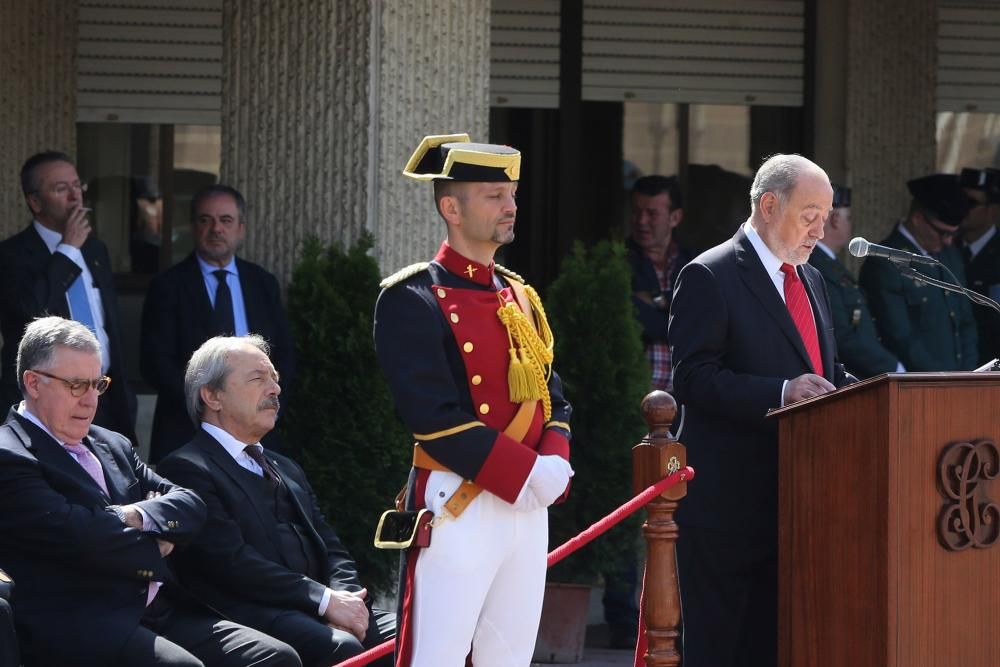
(888, 524)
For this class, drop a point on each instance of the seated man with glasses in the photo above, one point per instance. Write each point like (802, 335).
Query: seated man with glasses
(926, 327)
(57, 266)
(85, 527)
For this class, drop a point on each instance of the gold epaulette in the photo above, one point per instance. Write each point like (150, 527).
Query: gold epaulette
(403, 274)
(510, 274)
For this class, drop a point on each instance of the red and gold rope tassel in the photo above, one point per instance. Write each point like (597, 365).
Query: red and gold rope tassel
(531, 352)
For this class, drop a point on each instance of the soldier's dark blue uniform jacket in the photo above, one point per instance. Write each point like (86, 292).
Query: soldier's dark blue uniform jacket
(444, 353)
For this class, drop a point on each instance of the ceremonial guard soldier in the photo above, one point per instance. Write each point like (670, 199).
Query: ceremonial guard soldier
(467, 352)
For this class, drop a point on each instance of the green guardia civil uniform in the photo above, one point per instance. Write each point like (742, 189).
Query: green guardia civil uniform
(927, 328)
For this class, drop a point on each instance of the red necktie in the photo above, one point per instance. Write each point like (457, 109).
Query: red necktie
(798, 307)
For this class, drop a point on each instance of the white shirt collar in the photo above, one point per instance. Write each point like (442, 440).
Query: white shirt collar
(979, 243)
(208, 269)
(233, 446)
(822, 246)
(51, 238)
(23, 410)
(909, 237)
(771, 263)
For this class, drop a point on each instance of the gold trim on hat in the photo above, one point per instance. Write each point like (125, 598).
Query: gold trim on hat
(429, 142)
(509, 162)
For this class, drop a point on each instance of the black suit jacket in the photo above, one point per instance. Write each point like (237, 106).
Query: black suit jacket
(82, 575)
(33, 282)
(734, 345)
(177, 318)
(235, 565)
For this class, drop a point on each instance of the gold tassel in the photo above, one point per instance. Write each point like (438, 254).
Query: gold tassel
(518, 379)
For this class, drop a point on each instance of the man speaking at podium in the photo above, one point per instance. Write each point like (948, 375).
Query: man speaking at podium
(751, 330)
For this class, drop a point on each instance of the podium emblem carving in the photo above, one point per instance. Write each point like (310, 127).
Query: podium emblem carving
(968, 518)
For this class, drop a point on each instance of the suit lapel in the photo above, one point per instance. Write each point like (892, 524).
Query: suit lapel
(762, 287)
(117, 481)
(38, 255)
(821, 317)
(55, 459)
(197, 296)
(251, 294)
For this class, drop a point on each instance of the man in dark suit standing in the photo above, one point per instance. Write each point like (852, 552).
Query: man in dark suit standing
(267, 557)
(57, 267)
(85, 527)
(926, 327)
(751, 330)
(858, 343)
(211, 292)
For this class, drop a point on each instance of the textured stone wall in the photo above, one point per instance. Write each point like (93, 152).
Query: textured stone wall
(890, 119)
(37, 92)
(433, 78)
(323, 101)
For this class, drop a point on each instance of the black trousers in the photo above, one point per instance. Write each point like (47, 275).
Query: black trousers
(184, 635)
(8, 638)
(729, 598)
(319, 645)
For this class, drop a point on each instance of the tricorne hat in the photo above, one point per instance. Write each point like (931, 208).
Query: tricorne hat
(983, 180)
(454, 157)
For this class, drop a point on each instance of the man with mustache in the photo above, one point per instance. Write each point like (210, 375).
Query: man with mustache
(751, 330)
(210, 293)
(267, 557)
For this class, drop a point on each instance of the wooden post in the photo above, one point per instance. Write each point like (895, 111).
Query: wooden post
(658, 455)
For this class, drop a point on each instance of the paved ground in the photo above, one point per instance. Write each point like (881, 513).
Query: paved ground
(596, 652)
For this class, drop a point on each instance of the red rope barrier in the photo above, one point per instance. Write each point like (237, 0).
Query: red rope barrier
(619, 515)
(573, 544)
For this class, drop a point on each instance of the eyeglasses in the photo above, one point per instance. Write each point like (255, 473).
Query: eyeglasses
(944, 232)
(62, 188)
(77, 386)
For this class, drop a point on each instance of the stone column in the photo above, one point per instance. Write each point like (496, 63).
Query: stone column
(37, 93)
(891, 63)
(323, 101)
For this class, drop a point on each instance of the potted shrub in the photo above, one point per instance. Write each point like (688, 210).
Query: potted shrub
(600, 358)
(341, 425)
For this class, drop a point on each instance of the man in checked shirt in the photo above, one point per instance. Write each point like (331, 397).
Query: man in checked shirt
(656, 258)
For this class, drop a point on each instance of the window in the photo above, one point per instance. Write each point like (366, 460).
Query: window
(141, 179)
(967, 139)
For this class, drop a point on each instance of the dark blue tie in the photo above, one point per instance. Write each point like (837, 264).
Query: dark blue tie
(225, 321)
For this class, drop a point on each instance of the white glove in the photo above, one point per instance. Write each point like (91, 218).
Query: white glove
(546, 482)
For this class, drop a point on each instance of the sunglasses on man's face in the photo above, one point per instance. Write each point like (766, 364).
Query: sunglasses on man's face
(79, 386)
(942, 231)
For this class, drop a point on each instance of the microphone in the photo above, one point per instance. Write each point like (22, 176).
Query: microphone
(859, 247)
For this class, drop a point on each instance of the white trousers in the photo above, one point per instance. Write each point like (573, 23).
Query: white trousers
(480, 583)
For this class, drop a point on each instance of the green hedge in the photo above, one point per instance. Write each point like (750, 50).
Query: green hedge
(600, 358)
(341, 424)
